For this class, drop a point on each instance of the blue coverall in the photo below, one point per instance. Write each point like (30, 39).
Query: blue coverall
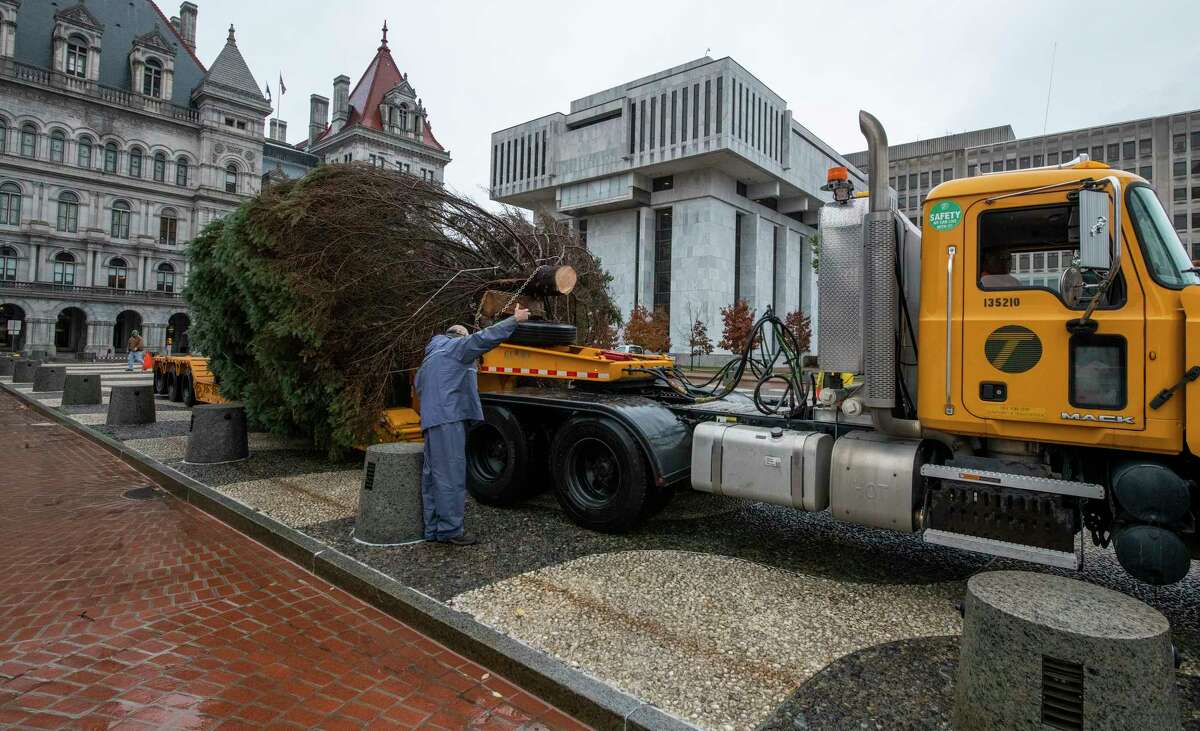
(446, 384)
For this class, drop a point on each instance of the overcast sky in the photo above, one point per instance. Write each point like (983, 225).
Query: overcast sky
(924, 68)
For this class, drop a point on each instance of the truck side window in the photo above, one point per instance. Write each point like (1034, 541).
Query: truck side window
(1097, 379)
(1029, 248)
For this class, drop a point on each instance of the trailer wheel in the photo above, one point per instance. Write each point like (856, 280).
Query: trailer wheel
(497, 458)
(160, 382)
(187, 393)
(175, 387)
(600, 476)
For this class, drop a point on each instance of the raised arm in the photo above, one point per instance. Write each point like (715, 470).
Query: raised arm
(473, 346)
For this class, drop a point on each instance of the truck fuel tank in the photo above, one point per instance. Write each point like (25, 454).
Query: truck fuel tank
(773, 465)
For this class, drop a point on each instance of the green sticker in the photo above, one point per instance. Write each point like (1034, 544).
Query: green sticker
(945, 215)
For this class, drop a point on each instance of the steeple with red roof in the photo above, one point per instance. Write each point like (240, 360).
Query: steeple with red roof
(383, 114)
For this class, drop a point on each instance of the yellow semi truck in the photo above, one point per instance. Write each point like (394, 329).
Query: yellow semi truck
(1026, 379)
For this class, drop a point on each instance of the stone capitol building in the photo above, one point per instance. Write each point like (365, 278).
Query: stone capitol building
(117, 145)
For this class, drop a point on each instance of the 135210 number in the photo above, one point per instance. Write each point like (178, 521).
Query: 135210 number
(1001, 301)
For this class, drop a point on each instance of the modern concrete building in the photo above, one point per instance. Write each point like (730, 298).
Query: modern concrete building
(382, 122)
(694, 186)
(1163, 150)
(116, 146)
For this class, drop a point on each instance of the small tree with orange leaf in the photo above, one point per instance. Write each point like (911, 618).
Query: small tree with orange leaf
(651, 331)
(739, 321)
(801, 326)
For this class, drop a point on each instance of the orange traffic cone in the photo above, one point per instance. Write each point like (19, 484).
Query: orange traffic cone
(147, 361)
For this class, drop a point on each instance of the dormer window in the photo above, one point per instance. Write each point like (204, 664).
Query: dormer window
(403, 117)
(77, 57)
(152, 75)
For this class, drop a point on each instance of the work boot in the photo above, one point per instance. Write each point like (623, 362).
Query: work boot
(464, 539)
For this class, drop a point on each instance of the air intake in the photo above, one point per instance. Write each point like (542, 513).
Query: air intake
(1062, 694)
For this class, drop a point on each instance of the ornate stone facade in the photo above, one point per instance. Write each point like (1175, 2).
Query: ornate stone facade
(116, 147)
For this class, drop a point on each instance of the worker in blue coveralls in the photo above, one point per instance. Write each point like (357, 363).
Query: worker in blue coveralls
(446, 384)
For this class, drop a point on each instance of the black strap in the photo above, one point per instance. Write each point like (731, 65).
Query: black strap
(1165, 395)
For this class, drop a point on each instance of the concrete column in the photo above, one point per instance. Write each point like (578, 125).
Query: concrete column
(37, 262)
(99, 336)
(155, 335)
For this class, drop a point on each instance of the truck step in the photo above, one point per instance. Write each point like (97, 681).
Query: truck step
(1004, 549)
(1032, 483)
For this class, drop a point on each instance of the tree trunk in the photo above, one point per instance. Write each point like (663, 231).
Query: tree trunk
(547, 281)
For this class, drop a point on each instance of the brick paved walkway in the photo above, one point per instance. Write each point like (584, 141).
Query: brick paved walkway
(126, 613)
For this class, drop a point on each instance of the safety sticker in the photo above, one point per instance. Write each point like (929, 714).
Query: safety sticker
(945, 215)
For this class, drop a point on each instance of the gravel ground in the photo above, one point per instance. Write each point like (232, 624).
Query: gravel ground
(173, 449)
(304, 500)
(718, 641)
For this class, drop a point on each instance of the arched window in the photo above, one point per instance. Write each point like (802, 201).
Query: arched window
(68, 211)
(10, 204)
(135, 162)
(118, 273)
(85, 152)
(64, 269)
(168, 226)
(8, 264)
(120, 220)
(77, 57)
(165, 278)
(3, 136)
(231, 178)
(58, 145)
(29, 141)
(160, 167)
(110, 157)
(181, 171)
(152, 78)
(404, 117)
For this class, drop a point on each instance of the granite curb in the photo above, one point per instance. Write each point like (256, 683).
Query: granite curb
(572, 691)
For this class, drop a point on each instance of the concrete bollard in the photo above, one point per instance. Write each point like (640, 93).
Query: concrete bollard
(49, 378)
(42, 355)
(1040, 650)
(389, 502)
(218, 434)
(24, 369)
(85, 357)
(128, 405)
(6, 365)
(82, 389)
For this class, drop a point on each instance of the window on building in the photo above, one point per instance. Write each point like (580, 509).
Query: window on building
(1196, 141)
(1039, 160)
(581, 228)
(1179, 168)
(110, 157)
(936, 177)
(1195, 192)
(1195, 219)
(10, 204)
(3, 136)
(1052, 158)
(948, 174)
(737, 257)
(77, 57)
(912, 180)
(972, 170)
(1114, 152)
(707, 105)
(84, 152)
(28, 141)
(168, 227)
(1023, 162)
(404, 167)
(1196, 166)
(241, 125)
(666, 182)
(120, 220)
(165, 278)
(58, 146)
(8, 264)
(231, 178)
(1180, 193)
(1147, 172)
(68, 212)
(160, 167)
(181, 172)
(901, 182)
(229, 121)
(152, 74)
(1180, 220)
(1128, 150)
(741, 189)
(1097, 152)
(135, 162)
(662, 260)
(64, 269)
(1010, 163)
(118, 273)
(1146, 147)
(924, 180)
(1179, 143)
(985, 167)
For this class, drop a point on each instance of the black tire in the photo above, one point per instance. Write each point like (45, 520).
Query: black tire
(160, 382)
(187, 393)
(657, 498)
(175, 387)
(497, 459)
(600, 475)
(543, 333)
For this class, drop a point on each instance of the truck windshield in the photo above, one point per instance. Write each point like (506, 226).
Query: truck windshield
(1165, 255)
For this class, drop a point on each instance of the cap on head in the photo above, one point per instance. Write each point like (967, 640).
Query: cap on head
(458, 331)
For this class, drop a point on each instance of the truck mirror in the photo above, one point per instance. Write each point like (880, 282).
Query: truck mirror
(1070, 286)
(1095, 250)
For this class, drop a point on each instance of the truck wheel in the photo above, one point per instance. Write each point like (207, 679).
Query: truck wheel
(657, 498)
(160, 382)
(600, 477)
(497, 458)
(187, 393)
(543, 333)
(175, 387)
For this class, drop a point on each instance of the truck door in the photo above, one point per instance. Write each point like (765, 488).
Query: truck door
(1023, 371)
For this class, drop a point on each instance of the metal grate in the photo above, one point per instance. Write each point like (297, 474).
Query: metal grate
(1062, 693)
(369, 482)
